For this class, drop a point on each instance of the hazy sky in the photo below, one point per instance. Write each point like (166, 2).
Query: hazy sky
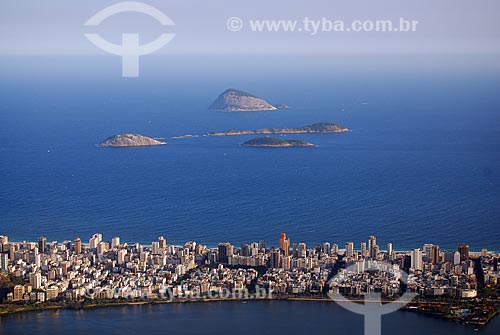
(55, 27)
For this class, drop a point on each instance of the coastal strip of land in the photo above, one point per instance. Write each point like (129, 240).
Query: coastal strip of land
(457, 285)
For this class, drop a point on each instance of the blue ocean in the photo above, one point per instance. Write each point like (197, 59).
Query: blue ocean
(421, 164)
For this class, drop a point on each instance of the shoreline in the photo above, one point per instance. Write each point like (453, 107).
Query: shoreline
(212, 245)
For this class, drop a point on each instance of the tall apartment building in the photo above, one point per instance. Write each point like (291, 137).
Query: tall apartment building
(416, 259)
(78, 246)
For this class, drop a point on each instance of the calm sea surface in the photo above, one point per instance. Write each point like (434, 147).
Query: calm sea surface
(421, 165)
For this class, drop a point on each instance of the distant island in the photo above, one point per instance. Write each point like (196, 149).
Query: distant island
(130, 140)
(316, 128)
(233, 100)
(271, 142)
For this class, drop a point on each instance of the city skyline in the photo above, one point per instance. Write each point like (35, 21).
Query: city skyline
(75, 272)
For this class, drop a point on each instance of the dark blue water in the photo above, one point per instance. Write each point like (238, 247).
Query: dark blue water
(421, 165)
(228, 317)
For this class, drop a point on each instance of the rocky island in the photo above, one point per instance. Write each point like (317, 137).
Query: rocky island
(271, 142)
(316, 128)
(130, 140)
(233, 100)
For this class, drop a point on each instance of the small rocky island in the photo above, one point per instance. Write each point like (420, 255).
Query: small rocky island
(316, 128)
(233, 100)
(270, 142)
(130, 140)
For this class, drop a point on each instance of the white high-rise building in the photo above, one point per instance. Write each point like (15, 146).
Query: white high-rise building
(163, 242)
(115, 242)
(349, 249)
(101, 247)
(4, 262)
(416, 259)
(95, 240)
(389, 249)
(155, 248)
(372, 241)
(36, 280)
(364, 252)
(360, 266)
(302, 250)
(326, 248)
(286, 262)
(335, 248)
(121, 256)
(427, 248)
(374, 251)
(456, 258)
(4, 243)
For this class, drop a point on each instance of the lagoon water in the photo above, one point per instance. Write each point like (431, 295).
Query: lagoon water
(272, 317)
(421, 164)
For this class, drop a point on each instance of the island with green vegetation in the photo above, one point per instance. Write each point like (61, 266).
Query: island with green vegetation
(130, 140)
(233, 100)
(316, 128)
(271, 142)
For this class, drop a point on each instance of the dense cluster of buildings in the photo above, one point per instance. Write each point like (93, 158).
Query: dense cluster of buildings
(100, 269)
